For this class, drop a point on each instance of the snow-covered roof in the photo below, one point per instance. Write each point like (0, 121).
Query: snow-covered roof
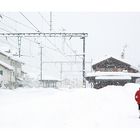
(11, 57)
(98, 73)
(123, 77)
(7, 66)
(98, 60)
(5, 53)
(120, 59)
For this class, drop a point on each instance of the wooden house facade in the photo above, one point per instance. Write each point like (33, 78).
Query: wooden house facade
(112, 71)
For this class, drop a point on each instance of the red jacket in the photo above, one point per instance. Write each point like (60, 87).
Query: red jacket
(137, 96)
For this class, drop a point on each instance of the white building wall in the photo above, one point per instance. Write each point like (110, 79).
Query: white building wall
(15, 64)
(8, 75)
(17, 68)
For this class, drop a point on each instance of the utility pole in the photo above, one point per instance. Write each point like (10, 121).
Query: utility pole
(50, 21)
(84, 80)
(61, 70)
(41, 63)
(19, 46)
(123, 52)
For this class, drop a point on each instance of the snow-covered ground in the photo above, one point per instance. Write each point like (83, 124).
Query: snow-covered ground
(109, 107)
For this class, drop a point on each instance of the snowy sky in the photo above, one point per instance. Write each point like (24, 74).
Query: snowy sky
(108, 33)
(103, 38)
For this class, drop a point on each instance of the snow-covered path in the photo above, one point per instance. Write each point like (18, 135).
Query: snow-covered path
(112, 106)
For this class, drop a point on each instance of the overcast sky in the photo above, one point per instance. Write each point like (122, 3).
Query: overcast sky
(108, 33)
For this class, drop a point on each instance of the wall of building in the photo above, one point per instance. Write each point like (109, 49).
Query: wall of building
(15, 64)
(7, 77)
(17, 68)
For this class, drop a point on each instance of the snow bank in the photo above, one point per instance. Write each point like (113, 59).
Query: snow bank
(112, 106)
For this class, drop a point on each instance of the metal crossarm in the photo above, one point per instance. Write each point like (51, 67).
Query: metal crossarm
(39, 34)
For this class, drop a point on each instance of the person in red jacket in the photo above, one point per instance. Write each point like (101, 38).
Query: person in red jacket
(137, 98)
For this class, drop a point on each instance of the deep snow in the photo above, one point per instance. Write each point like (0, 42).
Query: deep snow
(109, 107)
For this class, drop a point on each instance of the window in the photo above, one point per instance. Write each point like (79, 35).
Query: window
(1, 72)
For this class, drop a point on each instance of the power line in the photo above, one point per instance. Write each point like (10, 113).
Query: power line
(36, 29)
(16, 21)
(50, 30)
(55, 46)
(5, 30)
(29, 21)
(40, 32)
(57, 49)
(73, 51)
(43, 45)
(8, 26)
(8, 43)
(43, 18)
(50, 25)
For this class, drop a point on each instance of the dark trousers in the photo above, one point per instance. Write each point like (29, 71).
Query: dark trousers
(138, 106)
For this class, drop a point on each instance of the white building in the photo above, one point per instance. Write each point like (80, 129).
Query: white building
(10, 70)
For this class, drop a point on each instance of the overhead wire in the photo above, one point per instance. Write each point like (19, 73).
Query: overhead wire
(16, 21)
(8, 43)
(8, 26)
(41, 44)
(29, 21)
(6, 37)
(73, 51)
(65, 41)
(40, 31)
(43, 18)
(47, 37)
(4, 30)
(54, 31)
(16, 30)
(36, 29)
(57, 49)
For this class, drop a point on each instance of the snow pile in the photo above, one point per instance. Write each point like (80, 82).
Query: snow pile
(112, 106)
